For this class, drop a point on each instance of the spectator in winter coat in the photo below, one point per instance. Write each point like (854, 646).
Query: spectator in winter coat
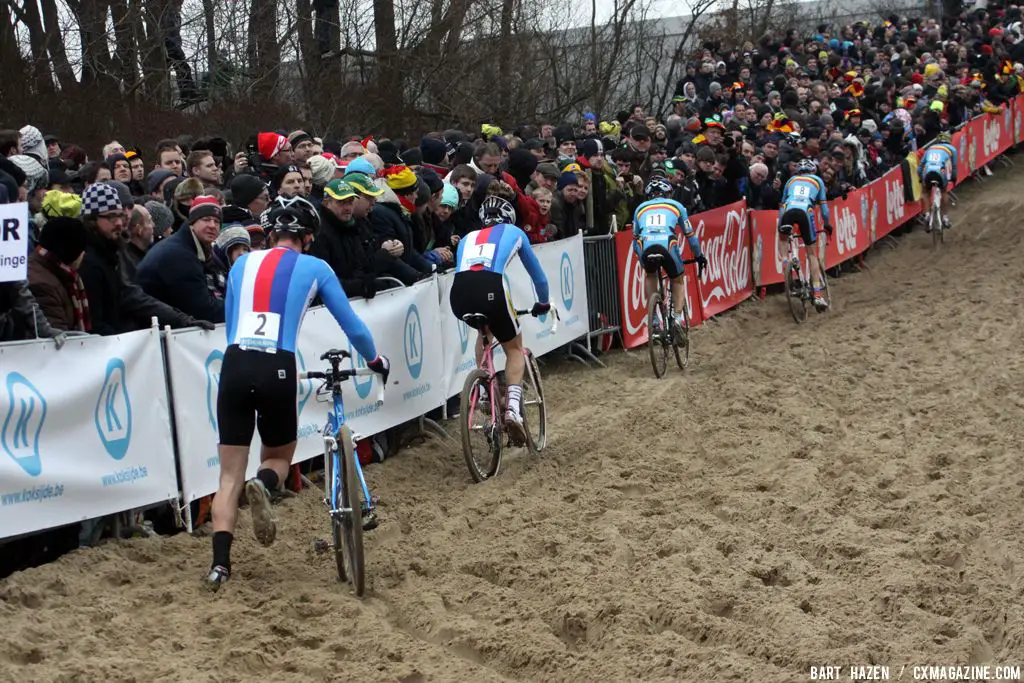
(177, 270)
(115, 304)
(140, 239)
(53, 274)
(391, 217)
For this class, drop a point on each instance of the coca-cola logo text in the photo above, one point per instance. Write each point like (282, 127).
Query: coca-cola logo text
(728, 261)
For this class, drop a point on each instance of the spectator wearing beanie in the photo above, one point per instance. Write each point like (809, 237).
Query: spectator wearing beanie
(178, 270)
(163, 219)
(391, 217)
(184, 193)
(567, 213)
(303, 146)
(120, 167)
(435, 153)
(231, 243)
(157, 179)
(116, 305)
(287, 182)
(250, 193)
(275, 151)
(53, 274)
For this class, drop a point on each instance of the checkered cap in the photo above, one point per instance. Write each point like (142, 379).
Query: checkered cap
(100, 198)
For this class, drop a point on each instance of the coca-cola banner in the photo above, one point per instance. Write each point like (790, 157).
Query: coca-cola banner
(991, 135)
(633, 297)
(888, 203)
(725, 240)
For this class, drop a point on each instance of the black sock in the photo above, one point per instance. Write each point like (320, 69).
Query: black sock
(222, 549)
(269, 478)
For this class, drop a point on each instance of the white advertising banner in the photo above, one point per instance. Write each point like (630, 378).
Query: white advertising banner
(567, 280)
(406, 327)
(85, 430)
(13, 242)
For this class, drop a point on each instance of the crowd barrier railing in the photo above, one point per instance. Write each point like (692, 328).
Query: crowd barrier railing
(602, 288)
(87, 431)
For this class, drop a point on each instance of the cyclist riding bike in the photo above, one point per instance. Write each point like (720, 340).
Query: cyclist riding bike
(938, 165)
(479, 287)
(801, 193)
(657, 225)
(268, 293)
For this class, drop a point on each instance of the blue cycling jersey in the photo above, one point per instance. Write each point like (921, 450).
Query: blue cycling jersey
(269, 292)
(803, 192)
(940, 158)
(493, 248)
(664, 216)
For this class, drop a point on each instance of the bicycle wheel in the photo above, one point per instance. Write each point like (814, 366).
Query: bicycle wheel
(656, 337)
(795, 294)
(333, 486)
(535, 414)
(935, 222)
(681, 339)
(473, 409)
(351, 521)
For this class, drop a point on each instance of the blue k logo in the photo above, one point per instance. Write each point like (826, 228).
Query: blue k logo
(114, 411)
(413, 342)
(26, 413)
(567, 281)
(213, 363)
(363, 383)
(463, 334)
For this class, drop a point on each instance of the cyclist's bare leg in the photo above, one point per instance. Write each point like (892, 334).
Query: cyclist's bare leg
(816, 274)
(784, 249)
(278, 459)
(651, 283)
(677, 295)
(515, 365)
(233, 461)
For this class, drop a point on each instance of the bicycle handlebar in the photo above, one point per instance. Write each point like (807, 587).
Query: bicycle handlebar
(554, 317)
(343, 375)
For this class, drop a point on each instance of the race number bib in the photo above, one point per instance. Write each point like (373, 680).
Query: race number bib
(801, 192)
(259, 331)
(479, 255)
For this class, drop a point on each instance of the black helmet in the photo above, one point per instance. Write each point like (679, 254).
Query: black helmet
(291, 214)
(497, 211)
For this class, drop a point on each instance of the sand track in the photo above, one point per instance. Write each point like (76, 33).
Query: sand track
(843, 492)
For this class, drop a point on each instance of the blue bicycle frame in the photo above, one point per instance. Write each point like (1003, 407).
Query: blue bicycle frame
(335, 420)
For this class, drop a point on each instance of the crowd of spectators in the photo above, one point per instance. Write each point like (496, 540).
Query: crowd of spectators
(142, 233)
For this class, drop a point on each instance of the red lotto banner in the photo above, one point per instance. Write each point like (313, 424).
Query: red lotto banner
(961, 142)
(851, 227)
(633, 297)
(725, 241)
(893, 210)
(991, 135)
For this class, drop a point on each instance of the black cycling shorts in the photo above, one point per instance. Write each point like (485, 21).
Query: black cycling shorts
(936, 177)
(804, 221)
(483, 291)
(257, 390)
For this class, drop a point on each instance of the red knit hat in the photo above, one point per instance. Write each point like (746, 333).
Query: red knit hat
(270, 144)
(203, 206)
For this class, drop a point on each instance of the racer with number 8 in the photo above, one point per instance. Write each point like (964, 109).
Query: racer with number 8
(801, 193)
(267, 296)
(657, 224)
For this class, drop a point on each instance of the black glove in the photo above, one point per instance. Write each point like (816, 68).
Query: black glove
(702, 264)
(205, 324)
(382, 366)
(828, 229)
(540, 309)
(369, 286)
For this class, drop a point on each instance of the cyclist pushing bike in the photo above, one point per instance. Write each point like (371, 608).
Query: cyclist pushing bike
(479, 287)
(268, 293)
(801, 193)
(938, 165)
(657, 225)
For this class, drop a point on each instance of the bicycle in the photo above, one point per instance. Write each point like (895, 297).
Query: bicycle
(483, 393)
(343, 477)
(799, 287)
(677, 336)
(935, 216)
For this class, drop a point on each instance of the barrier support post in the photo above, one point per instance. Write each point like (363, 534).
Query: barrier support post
(577, 348)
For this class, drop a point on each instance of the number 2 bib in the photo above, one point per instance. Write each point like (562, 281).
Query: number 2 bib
(259, 331)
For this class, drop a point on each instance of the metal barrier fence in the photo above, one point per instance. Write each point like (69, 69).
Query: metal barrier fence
(602, 286)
